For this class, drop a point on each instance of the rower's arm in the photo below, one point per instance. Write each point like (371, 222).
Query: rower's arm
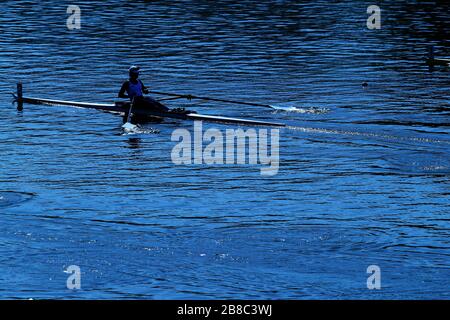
(144, 88)
(122, 91)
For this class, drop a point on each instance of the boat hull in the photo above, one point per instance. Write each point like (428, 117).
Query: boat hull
(146, 113)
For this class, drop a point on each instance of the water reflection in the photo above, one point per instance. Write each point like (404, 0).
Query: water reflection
(134, 143)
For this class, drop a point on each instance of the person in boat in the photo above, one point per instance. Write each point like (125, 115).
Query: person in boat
(134, 89)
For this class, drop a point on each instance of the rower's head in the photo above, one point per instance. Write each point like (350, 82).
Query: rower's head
(134, 72)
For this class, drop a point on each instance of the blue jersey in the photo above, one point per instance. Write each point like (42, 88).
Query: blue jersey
(132, 89)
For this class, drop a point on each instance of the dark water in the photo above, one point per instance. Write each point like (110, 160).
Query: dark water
(365, 181)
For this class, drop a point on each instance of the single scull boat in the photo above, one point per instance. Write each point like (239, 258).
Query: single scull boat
(123, 107)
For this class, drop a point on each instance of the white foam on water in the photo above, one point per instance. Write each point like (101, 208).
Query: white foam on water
(313, 110)
(130, 128)
(367, 134)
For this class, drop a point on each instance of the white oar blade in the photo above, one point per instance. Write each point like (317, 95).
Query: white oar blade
(129, 127)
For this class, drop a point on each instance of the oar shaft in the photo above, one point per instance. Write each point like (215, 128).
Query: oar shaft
(129, 111)
(189, 96)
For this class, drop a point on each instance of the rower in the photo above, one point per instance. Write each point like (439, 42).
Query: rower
(135, 90)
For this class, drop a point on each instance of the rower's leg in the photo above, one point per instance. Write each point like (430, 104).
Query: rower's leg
(155, 104)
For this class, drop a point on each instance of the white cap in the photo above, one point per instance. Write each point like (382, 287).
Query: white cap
(134, 69)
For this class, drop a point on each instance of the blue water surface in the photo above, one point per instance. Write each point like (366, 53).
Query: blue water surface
(364, 171)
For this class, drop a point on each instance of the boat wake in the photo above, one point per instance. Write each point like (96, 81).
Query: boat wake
(129, 128)
(311, 110)
(367, 135)
(11, 198)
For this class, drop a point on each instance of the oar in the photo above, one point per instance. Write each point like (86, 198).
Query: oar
(128, 125)
(129, 111)
(189, 97)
